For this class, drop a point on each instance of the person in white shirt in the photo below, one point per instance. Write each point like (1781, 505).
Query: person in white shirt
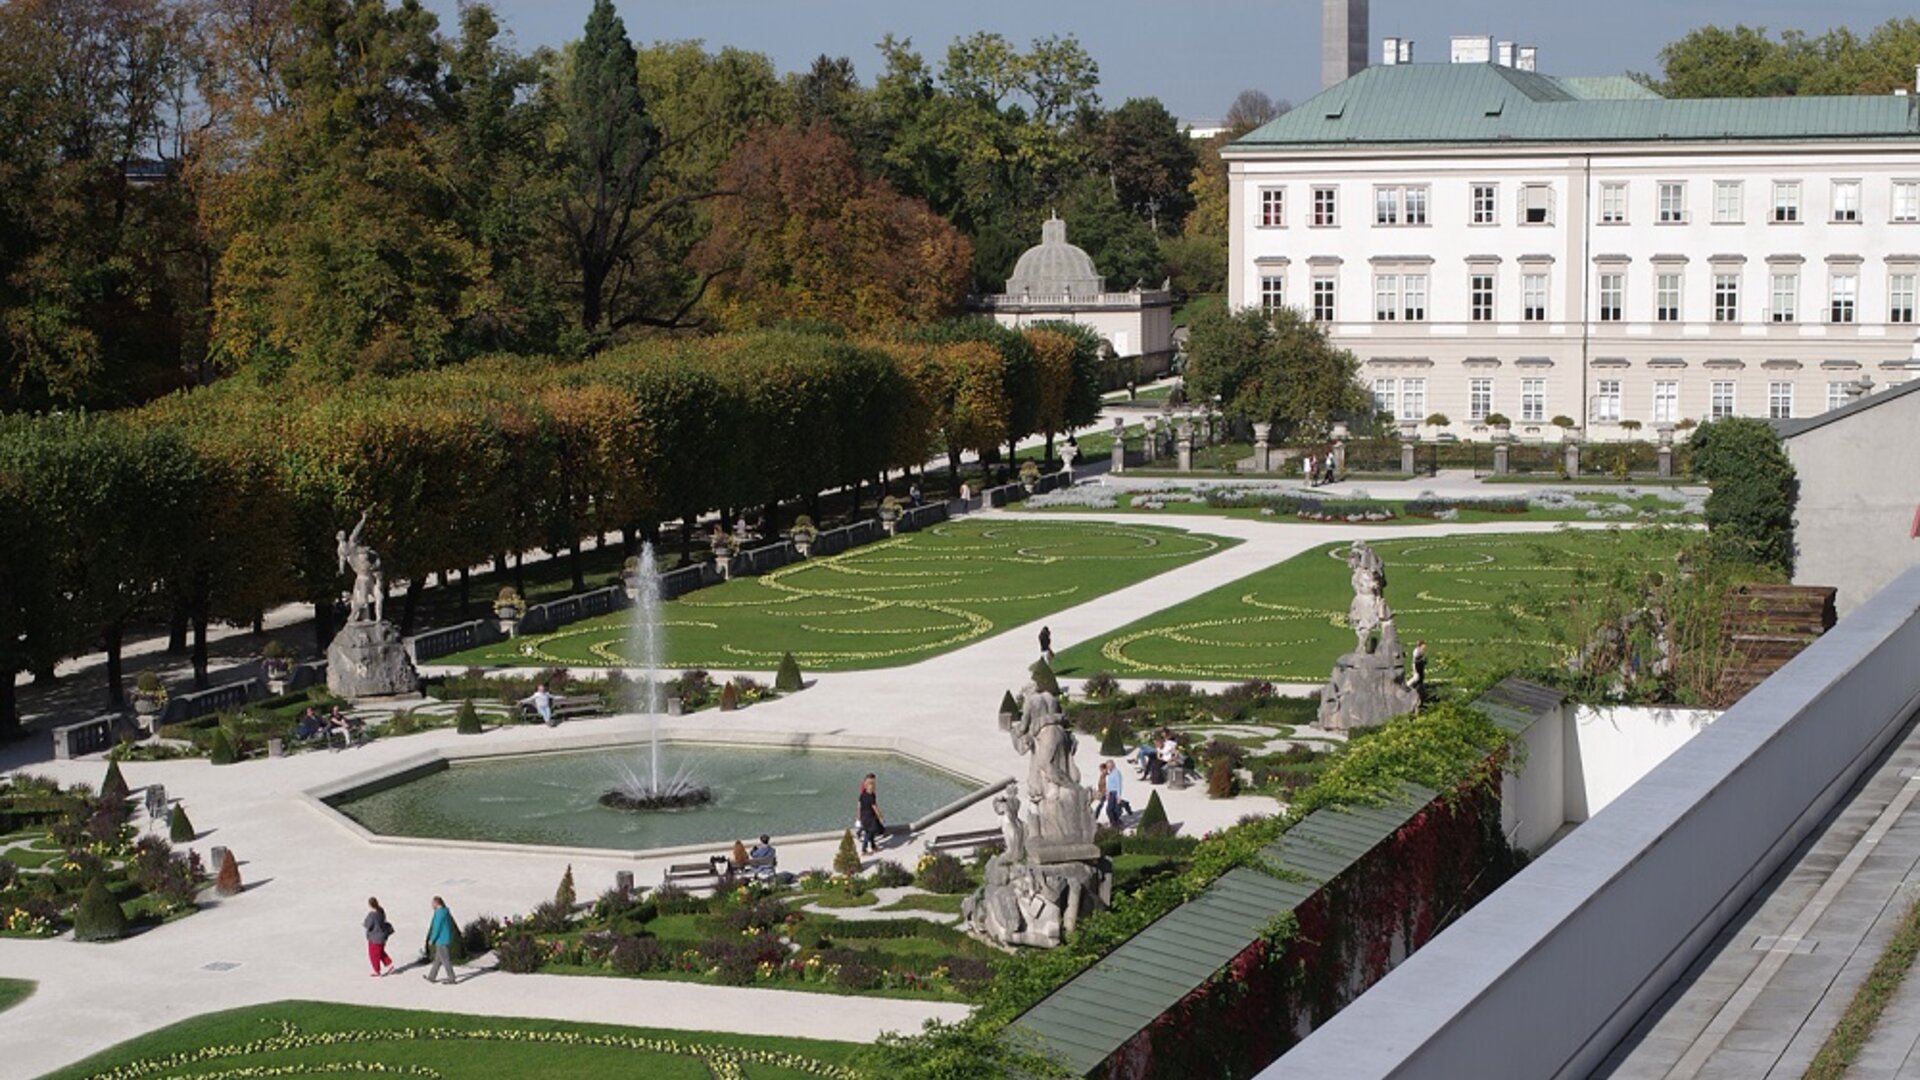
(542, 703)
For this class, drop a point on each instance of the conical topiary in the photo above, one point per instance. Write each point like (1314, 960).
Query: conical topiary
(113, 785)
(729, 697)
(467, 720)
(1043, 678)
(221, 751)
(1220, 778)
(563, 896)
(787, 679)
(179, 829)
(98, 916)
(1009, 706)
(1154, 816)
(847, 859)
(1113, 741)
(227, 881)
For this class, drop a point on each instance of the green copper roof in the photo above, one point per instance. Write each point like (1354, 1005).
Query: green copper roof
(1438, 104)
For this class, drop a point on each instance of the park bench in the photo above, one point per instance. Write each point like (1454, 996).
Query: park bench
(694, 875)
(964, 841)
(566, 707)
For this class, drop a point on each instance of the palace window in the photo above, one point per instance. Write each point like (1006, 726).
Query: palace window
(1666, 401)
(1273, 292)
(1533, 297)
(1780, 400)
(1486, 202)
(1479, 398)
(1323, 299)
(1726, 202)
(1843, 297)
(1480, 297)
(1786, 201)
(1846, 200)
(1533, 400)
(1673, 202)
(1606, 401)
(1613, 204)
(1326, 207)
(1726, 298)
(1613, 292)
(1666, 298)
(1721, 405)
(1786, 297)
(1273, 208)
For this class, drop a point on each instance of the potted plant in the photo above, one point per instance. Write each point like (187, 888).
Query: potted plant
(276, 664)
(890, 513)
(1499, 423)
(724, 545)
(1029, 475)
(509, 608)
(1629, 425)
(149, 695)
(803, 534)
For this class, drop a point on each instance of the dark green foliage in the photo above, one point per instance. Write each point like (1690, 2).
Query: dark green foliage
(1043, 678)
(847, 859)
(1154, 816)
(632, 955)
(787, 679)
(1750, 511)
(564, 895)
(550, 918)
(519, 954)
(467, 720)
(945, 874)
(179, 829)
(1113, 742)
(1101, 685)
(1276, 367)
(98, 916)
(1008, 706)
(222, 751)
(476, 937)
(113, 785)
(888, 874)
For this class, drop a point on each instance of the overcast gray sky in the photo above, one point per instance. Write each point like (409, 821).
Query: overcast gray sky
(1194, 55)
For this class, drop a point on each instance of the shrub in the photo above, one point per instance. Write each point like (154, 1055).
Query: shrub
(1750, 510)
(1101, 685)
(763, 914)
(969, 975)
(550, 918)
(1154, 815)
(564, 895)
(1113, 742)
(1043, 678)
(467, 720)
(221, 752)
(226, 881)
(943, 873)
(113, 785)
(1438, 420)
(98, 916)
(402, 722)
(519, 954)
(179, 828)
(478, 934)
(787, 679)
(1220, 779)
(676, 900)
(729, 698)
(615, 907)
(148, 682)
(1008, 705)
(633, 955)
(859, 974)
(889, 874)
(1497, 420)
(847, 859)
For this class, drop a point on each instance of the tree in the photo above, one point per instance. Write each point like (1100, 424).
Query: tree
(1150, 161)
(810, 237)
(1745, 61)
(98, 916)
(1750, 510)
(1274, 367)
(1251, 109)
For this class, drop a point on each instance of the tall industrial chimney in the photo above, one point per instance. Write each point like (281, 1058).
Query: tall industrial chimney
(1343, 39)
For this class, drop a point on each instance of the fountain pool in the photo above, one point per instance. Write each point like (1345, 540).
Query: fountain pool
(553, 798)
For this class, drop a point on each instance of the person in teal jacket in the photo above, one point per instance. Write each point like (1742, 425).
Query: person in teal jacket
(440, 941)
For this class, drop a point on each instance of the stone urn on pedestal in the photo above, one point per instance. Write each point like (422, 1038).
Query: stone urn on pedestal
(1067, 453)
(367, 659)
(803, 535)
(890, 515)
(508, 610)
(275, 667)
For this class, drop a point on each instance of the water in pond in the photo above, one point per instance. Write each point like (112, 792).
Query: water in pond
(554, 798)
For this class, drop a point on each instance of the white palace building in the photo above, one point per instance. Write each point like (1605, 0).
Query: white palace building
(1488, 239)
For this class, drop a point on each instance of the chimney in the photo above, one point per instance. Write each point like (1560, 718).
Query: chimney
(1526, 57)
(1343, 40)
(1472, 48)
(1504, 57)
(1389, 51)
(1406, 50)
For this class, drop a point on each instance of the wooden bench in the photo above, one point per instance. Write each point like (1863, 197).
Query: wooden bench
(964, 841)
(566, 707)
(697, 875)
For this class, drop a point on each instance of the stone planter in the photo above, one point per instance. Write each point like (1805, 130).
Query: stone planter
(630, 585)
(723, 562)
(509, 619)
(276, 685)
(145, 706)
(802, 544)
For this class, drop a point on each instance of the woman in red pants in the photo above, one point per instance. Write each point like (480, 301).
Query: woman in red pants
(378, 931)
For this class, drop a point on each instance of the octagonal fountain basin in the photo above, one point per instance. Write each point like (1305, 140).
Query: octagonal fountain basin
(553, 799)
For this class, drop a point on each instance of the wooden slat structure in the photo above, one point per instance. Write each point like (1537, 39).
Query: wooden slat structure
(1763, 627)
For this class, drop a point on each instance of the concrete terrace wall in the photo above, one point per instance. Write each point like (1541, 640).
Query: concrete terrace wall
(1852, 528)
(1547, 974)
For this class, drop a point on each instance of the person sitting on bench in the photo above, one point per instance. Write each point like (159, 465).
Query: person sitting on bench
(763, 860)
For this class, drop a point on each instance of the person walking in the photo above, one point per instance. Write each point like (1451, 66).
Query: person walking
(872, 828)
(440, 941)
(1311, 475)
(378, 931)
(1046, 645)
(1114, 813)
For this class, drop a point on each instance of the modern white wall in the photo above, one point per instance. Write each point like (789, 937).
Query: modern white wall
(1581, 758)
(1859, 497)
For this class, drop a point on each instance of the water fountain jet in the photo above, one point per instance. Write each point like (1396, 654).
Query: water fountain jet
(631, 791)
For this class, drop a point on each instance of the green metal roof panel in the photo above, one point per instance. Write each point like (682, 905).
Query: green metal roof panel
(1487, 103)
(1605, 88)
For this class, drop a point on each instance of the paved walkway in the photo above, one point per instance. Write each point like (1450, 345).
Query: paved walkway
(295, 932)
(1768, 992)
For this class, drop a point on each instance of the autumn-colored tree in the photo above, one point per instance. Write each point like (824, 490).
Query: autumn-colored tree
(810, 237)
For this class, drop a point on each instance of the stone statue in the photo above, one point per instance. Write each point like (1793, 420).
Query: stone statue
(1051, 872)
(1368, 685)
(367, 658)
(368, 603)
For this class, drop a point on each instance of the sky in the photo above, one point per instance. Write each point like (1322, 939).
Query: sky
(1194, 55)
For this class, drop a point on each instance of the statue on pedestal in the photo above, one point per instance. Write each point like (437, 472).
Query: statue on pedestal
(367, 657)
(1368, 685)
(1051, 872)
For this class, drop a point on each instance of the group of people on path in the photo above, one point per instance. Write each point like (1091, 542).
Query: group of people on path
(1317, 468)
(441, 930)
(312, 725)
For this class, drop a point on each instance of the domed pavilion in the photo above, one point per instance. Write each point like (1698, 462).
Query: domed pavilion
(1055, 281)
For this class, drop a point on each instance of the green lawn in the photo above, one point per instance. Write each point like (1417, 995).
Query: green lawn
(305, 1037)
(1288, 623)
(886, 603)
(13, 992)
(1640, 507)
